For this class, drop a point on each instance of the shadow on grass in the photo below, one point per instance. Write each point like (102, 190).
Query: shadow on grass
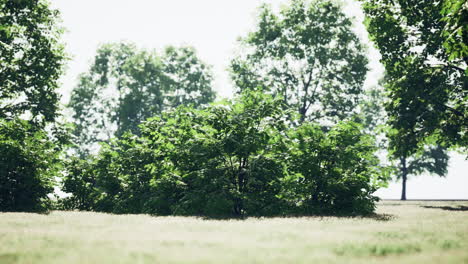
(382, 217)
(392, 204)
(376, 217)
(8, 258)
(43, 212)
(448, 208)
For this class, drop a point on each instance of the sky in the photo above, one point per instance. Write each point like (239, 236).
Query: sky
(212, 27)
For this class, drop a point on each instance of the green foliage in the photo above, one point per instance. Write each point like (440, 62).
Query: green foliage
(31, 60)
(428, 158)
(455, 32)
(309, 56)
(125, 86)
(29, 163)
(426, 80)
(331, 167)
(431, 159)
(231, 159)
(114, 181)
(426, 70)
(79, 181)
(225, 156)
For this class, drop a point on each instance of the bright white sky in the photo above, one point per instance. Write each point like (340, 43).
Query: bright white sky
(212, 27)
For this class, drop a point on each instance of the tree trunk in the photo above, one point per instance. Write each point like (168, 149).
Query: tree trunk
(404, 174)
(302, 113)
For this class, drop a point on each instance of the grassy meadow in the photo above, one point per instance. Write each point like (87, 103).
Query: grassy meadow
(403, 232)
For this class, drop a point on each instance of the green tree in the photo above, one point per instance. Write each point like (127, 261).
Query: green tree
(79, 181)
(426, 80)
(31, 60)
(308, 55)
(125, 86)
(424, 55)
(429, 158)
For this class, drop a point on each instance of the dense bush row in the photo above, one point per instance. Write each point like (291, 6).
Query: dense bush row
(233, 159)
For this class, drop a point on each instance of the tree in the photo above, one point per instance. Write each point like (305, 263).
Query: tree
(31, 60)
(116, 180)
(125, 86)
(422, 49)
(308, 55)
(426, 80)
(429, 158)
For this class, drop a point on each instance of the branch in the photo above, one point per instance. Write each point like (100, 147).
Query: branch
(306, 88)
(451, 66)
(315, 90)
(453, 110)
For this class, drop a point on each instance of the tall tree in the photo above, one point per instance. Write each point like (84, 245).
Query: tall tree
(31, 60)
(432, 159)
(426, 79)
(307, 54)
(429, 158)
(423, 47)
(125, 86)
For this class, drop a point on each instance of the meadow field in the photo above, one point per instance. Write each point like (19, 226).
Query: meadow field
(402, 232)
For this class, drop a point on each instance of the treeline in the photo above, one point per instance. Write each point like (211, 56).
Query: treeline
(299, 137)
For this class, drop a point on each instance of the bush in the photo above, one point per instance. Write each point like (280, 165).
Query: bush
(29, 163)
(333, 172)
(233, 159)
(222, 158)
(115, 181)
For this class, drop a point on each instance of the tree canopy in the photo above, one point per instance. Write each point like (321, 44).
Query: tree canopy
(126, 85)
(309, 55)
(423, 48)
(31, 60)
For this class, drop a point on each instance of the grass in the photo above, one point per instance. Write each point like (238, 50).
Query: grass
(405, 232)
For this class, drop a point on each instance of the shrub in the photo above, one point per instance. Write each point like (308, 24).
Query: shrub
(232, 159)
(333, 172)
(222, 157)
(29, 162)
